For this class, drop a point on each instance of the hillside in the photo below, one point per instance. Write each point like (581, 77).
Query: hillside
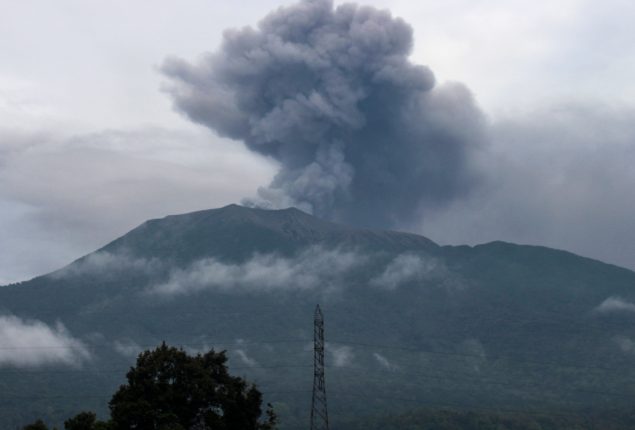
(409, 323)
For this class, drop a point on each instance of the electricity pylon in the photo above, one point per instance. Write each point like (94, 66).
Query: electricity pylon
(319, 415)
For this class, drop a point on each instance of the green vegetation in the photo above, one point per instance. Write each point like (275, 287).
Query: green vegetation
(171, 390)
(495, 326)
(446, 419)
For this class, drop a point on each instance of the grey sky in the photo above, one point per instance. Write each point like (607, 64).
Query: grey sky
(90, 146)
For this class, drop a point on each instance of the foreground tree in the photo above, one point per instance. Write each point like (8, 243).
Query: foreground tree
(37, 425)
(169, 389)
(85, 421)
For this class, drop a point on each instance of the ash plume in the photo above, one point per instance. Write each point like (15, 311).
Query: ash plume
(361, 134)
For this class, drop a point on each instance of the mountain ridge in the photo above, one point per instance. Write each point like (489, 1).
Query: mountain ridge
(397, 306)
(295, 225)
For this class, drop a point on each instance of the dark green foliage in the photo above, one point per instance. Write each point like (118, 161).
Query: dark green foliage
(426, 419)
(168, 389)
(86, 421)
(37, 425)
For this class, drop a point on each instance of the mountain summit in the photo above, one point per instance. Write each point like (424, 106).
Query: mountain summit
(238, 232)
(417, 324)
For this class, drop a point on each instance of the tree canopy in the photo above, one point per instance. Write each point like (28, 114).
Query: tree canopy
(169, 389)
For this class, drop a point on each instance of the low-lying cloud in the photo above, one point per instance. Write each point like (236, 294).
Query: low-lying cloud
(244, 358)
(405, 268)
(384, 362)
(615, 304)
(341, 355)
(626, 345)
(127, 348)
(32, 343)
(105, 263)
(311, 268)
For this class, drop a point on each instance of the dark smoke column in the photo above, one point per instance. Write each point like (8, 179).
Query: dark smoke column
(362, 135)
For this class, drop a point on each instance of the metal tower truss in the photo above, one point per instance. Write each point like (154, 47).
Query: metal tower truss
(319, 414)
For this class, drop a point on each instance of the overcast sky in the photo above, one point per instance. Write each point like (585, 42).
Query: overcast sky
(90, 145)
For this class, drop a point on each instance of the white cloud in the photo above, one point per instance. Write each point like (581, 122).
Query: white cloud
(615, 304)
(516, 53)
(312, 268)
(104, 263)
(404, 268)
(32, 343)
(246, 359)
(384, 362)
(127, 348)
(625, 344)
(342, 355)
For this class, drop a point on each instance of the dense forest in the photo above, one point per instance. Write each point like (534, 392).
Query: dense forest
(447, 419)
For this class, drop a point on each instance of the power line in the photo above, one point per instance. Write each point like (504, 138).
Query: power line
(210, 344)
(464, 378)
(471, 355)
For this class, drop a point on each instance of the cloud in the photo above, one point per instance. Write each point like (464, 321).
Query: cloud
(312, 268)
(615, 304)
(361, 134)
(242, 355)
(127, 348)
(342, 355)
(558, 176)
(626, 345)
(405, 268)
(106, 264)
(32, 343)
(383, 362)
(62, 196)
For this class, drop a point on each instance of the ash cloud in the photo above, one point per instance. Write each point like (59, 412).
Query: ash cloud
(559, 176)
(32, 343)
(361, 134)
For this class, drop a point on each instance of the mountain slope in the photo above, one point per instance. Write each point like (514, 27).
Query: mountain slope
(408, 322)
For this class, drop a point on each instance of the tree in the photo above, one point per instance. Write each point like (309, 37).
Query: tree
(38, 425)
(85, 421)
(169, 389)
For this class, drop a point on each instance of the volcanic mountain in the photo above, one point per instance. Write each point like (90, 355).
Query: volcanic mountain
(409, 323)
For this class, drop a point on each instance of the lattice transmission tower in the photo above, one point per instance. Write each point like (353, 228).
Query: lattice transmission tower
(319, 414)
